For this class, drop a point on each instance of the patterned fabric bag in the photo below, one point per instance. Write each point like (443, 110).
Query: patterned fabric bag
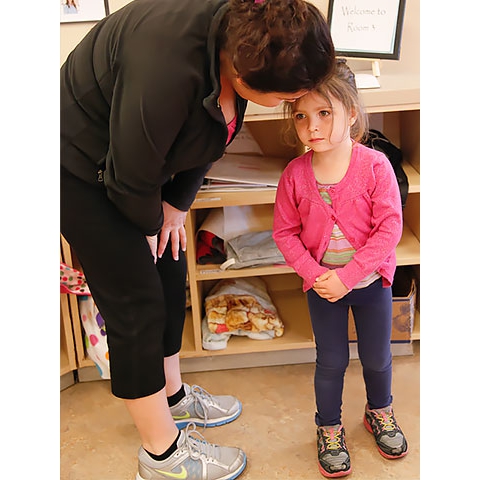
(73, 281)
(95, 335)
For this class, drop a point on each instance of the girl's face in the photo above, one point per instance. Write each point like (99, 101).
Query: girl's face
(321, 125)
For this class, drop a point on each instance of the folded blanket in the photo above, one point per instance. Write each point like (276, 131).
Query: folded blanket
(241, 304)
(252, 249)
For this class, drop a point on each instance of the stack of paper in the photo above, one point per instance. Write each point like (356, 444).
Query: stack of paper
(244, 171)
(244, 167)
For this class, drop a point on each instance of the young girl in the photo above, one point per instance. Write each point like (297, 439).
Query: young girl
(337, 221)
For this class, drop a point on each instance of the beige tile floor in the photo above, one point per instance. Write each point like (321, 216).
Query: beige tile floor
(276, 428)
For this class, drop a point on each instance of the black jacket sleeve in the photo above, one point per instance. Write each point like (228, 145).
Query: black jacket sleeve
(180, 191)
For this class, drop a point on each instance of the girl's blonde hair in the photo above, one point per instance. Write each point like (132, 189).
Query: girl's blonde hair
(341, 85)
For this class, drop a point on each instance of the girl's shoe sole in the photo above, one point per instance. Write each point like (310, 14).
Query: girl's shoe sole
(334, 475)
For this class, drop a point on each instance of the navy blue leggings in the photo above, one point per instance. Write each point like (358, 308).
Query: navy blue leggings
(372, 310)
(143, 304)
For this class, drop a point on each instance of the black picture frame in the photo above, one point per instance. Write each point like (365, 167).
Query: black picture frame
(367, 28)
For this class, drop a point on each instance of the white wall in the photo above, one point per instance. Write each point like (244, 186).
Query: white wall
(72, 33)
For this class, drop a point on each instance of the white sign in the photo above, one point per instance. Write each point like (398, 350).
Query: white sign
(367, 28)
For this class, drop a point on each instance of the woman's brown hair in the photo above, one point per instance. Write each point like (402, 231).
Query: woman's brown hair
(278, 45)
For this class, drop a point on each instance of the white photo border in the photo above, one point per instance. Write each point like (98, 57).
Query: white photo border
(378, 31)
(74, 11)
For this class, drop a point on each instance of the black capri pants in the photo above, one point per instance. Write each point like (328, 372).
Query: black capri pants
(142, 303)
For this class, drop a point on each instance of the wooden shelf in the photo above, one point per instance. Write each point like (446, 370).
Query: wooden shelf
(237, 198)
(68, 360)
(413, 177)
(67, 348)
(70, 303)
(288, 298)
(215, 199)
(292, 308)
(408, 253)
(397, 92)
(408, 250)
(213, 272)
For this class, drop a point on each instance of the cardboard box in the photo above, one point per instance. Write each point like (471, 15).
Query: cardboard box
(403, 310)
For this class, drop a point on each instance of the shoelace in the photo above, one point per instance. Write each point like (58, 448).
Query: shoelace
(386, 420)
(196, 443)
(333, 439)
(202, 399)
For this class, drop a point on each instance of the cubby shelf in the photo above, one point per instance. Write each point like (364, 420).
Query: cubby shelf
(401, 124)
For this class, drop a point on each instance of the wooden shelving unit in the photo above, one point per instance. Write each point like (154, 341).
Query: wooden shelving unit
(72, 346)
(68, 359)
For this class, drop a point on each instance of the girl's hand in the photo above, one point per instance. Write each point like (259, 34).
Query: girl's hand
(173, 228)
(330, 287)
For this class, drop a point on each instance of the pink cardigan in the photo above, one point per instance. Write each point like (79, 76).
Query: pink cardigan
(366, 206)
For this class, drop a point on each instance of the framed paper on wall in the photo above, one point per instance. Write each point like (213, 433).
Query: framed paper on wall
(83, 10)
(367, 28)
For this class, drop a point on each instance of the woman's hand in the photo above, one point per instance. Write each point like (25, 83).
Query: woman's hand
(330, 287)
(173, 228)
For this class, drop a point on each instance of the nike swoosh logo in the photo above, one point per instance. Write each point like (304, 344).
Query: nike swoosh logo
(181, 475)
(181, 417)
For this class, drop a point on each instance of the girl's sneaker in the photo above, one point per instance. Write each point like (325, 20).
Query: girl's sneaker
(194, 459)
(391, 442)
(333, 456)
(203, 409)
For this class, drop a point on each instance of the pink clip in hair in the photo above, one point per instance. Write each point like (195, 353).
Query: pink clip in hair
(258, 1)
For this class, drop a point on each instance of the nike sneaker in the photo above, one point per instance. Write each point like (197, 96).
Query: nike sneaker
(195, 459)
(203, 409)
